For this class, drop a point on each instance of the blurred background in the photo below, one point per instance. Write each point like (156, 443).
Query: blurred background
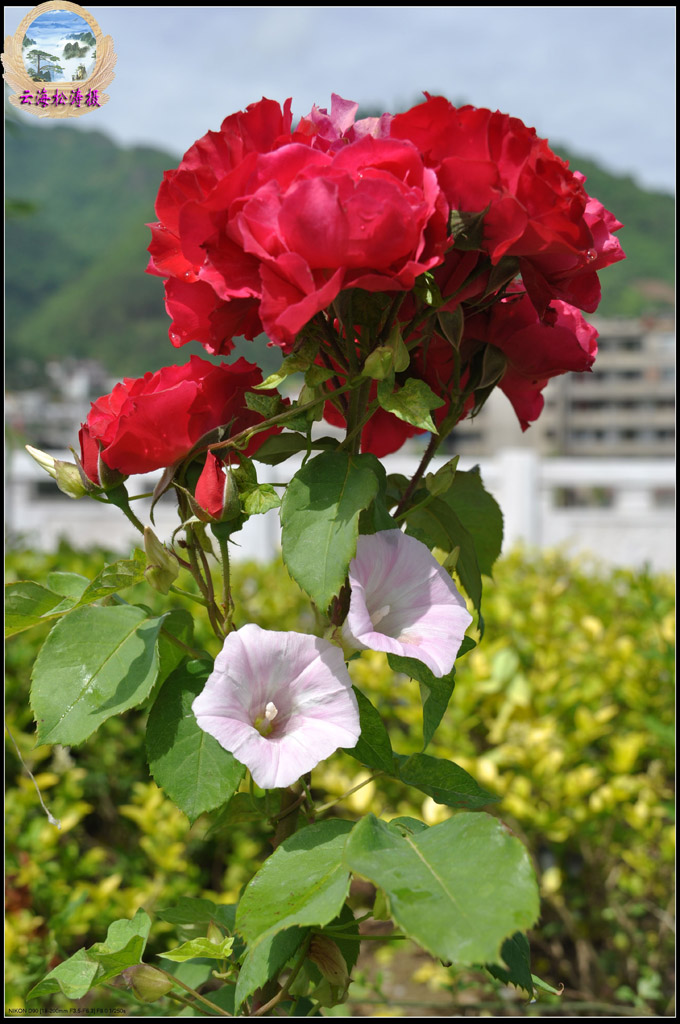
(567, 709)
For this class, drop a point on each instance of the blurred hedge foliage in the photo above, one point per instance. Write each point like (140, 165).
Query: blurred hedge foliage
(565, 711)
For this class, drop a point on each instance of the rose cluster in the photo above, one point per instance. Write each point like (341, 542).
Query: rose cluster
(262, 227)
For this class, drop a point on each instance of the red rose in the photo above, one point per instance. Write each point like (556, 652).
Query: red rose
(267, 235)
(535, 350)
(534, 207)
(154, 421)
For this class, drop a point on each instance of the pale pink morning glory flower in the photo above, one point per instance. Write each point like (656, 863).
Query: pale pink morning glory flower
(279, 702)
(404, 603)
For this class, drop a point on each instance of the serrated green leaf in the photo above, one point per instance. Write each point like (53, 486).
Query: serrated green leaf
(302, 359)
(200, 947)
(266, 405)
(113, 578)
(260, 499)
(320, 520)
(459, 889)
(68, 584)
(411, 403)
(188, 764)
(96, 662)
(445, 781)
(374, 748)
(27, 604)
(516, 967)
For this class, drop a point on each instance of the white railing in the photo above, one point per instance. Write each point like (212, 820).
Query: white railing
(630, 522)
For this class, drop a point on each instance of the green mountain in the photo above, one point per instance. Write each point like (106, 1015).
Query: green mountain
(76, 245)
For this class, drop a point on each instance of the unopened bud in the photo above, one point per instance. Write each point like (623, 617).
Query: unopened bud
(66, 474)
(162, 569)
(44, 460)
(148, 984)
(214, 934)
(216, 497)
(327, 956)
(379, 364)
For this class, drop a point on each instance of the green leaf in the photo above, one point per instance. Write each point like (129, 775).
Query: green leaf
(516, 969)
(201, 947)
(260, 499)
(68, 584)
(445, 781)
(96, 662)
(177, 623)
(28, 603)
(411, 403)
(280, 447)
(459, 889)
(442, 528)
(265, 959)
(188, 764)
(374, 748)
(304, 882)
(320, 520)
(301, 359)
(190, 912)
(435, 693)
(113, 578)
(75, 977)
(266, 405)
(480, 514)
(122, 948)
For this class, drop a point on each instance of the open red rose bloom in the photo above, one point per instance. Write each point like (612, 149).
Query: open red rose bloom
(266, 229)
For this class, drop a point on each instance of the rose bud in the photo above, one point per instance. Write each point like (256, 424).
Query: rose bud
(66, 474)
(216, 493)
(162, 569)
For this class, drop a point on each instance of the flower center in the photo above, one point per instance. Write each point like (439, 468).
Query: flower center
(265, 723)
(378, 616)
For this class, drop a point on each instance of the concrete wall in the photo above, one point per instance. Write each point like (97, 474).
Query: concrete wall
(634, 526)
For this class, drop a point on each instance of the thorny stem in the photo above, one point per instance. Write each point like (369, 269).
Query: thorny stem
(228, 601)
(283, 992)
(245, 435)
(429, 453)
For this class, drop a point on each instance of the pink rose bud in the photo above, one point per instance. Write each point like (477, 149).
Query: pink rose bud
(216, 492)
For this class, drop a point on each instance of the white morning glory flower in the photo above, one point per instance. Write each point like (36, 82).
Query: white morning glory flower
(279, 702)
(403, 602)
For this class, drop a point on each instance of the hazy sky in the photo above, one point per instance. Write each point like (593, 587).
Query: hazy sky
(601, 80)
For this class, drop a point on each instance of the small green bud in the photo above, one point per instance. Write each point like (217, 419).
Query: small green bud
(379, 364)
(162, 569)
(214, 934)
(148, 984)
